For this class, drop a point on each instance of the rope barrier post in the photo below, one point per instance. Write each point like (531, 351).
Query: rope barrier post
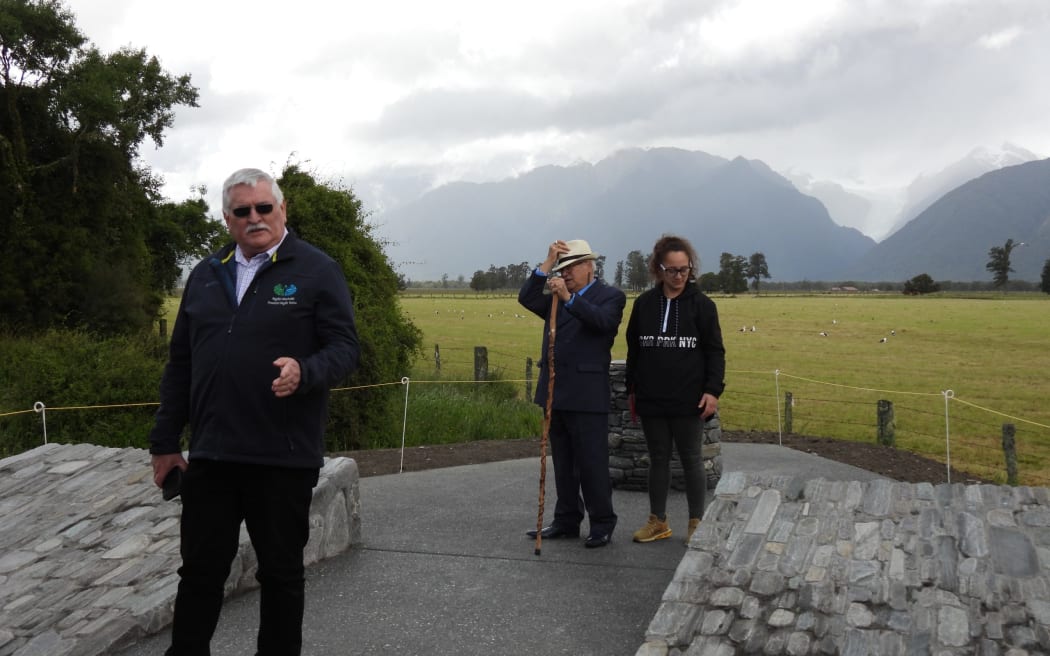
(404, 426)
(885, 423)
(437, 358)
(789, 414)
(780, 426)
(948, 394)
(1010, 451)
(41, 409)
(481, 364)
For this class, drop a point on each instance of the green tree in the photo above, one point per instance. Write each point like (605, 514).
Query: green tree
(330, 217)
(999, 263)
(732, 273)
(636, 271)
(757, 269)
(599, 268)
(618, 277)
(86, 240)
(921, 284)
(1044, 281)
(710, 282)
(518, 274)
(179, 234)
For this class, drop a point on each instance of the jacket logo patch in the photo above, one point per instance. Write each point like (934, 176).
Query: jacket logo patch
(284, 295)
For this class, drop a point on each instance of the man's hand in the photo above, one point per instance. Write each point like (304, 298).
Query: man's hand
(164, 464)
(556, 249)
(557, 285)
(287, 380)
(708, 406)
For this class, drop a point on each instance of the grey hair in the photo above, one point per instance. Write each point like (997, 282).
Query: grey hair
(250, 177)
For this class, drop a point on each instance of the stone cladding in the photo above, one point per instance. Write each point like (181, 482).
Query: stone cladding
(628, 454)
(89, 550)
(788, 566)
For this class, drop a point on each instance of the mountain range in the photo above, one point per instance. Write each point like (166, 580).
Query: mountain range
(879, 213)
(741, 206)
(950, 239)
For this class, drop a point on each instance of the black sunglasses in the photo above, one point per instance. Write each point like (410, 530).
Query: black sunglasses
(262, 209)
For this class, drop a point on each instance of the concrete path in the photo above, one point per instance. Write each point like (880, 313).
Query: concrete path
(444, 567)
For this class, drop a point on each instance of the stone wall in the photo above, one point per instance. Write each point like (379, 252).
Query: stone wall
(782, 565)
(628, 455)
(89, 549)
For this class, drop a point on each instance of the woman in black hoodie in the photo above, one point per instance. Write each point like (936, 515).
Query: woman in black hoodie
(675, 374)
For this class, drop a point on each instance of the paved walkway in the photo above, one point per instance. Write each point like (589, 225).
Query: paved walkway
(444, 567)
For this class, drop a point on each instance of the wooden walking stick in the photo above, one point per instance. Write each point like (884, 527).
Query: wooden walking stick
(546, 421)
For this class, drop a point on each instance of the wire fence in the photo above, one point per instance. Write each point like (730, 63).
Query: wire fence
(961, 433)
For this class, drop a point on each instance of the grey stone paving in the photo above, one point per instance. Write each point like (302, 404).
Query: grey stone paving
(89, 550)
(836, 567)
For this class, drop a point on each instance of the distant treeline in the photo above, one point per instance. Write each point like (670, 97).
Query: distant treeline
(735, 272)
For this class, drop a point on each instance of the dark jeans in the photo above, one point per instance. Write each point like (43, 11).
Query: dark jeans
(580, 448)
(687, 435)
(274, 503)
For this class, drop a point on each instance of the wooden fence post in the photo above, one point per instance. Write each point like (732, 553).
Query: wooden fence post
(788, 402)
(437, 358)
(528, 379)
(481, 363)
(163, 328)
(1009, 448)
(886, 425)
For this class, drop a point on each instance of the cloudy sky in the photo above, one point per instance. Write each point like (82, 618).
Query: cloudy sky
(409, 93)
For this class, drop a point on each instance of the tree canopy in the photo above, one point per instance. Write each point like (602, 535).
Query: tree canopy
(732, 273)
(999, 262)
(329, 216)
(756, 269)
(88, 242)
(921, 284)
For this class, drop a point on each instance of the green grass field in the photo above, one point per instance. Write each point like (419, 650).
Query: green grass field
(990, 351)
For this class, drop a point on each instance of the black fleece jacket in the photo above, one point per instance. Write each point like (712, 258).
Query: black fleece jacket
(220, 367)
(674, 352)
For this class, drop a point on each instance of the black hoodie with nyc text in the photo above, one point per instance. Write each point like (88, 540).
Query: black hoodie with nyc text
(674, 352)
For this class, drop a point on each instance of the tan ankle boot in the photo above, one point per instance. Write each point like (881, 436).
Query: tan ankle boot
(654, 529)
(693, 523)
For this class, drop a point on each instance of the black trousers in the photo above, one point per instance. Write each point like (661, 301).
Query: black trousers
(580, 448)
(687, 435)
(274, 503)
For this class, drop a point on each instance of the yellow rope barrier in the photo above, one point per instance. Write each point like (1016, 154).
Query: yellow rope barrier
(96, 407)
(862, 389)
(1001, 414)
(475, 382)
(16, 412)
(420, 382)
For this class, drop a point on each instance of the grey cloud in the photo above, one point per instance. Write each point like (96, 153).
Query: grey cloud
(467, 114)
(671, 15)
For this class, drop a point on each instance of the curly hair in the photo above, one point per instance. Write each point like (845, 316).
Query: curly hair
(667, 244)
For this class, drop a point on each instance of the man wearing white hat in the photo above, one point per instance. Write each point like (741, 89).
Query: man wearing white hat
(588, 317)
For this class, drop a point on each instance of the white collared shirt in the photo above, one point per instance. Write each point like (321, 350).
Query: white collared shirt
(247, 268)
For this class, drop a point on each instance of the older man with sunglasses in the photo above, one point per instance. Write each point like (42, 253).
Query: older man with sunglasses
(265, 328)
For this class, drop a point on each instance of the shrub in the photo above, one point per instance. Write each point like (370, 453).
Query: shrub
(69, 368)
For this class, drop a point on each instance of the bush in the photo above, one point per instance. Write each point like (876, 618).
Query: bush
(330, 217)
(446, 413)
(68, 368)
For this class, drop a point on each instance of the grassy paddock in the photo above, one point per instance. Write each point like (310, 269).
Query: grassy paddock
(989, 350)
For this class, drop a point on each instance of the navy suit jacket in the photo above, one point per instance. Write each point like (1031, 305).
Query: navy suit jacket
(582, 344)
